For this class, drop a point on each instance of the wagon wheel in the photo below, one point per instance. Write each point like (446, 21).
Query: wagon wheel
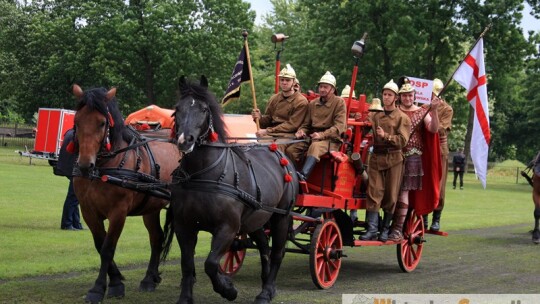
(409, 251)
(325, 254)
(233, 259)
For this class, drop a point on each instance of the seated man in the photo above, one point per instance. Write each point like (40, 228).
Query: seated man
(284, 113)
(325, 121)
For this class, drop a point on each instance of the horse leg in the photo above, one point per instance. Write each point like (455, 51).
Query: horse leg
(106, 252)
(261, 240)
(279, 228)
(221, 242)
(536, 231)
(187, 240)
(152, 277)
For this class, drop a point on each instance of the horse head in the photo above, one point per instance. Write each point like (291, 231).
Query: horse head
(198, 117)
(98, 124)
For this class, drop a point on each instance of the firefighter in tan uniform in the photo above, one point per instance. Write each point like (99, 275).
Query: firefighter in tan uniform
(285, 112)
(445, 113)
(325, 121)
(391, 129)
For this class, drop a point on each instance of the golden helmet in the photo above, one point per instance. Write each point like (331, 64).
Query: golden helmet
(288, 72)
(437, 86)
(392, 86)
(406, 87)
(376, 105)
(347, 91)
(329, 79)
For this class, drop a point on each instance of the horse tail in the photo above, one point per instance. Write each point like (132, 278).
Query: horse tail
(168, 230)
(527, 177)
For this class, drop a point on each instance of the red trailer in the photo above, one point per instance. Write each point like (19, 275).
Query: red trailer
(52, 124)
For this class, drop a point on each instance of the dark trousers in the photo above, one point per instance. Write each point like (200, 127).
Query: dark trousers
(70, 213)
(460, 174)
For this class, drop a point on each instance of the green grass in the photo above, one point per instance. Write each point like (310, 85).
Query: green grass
(31, 200)
(39, 263)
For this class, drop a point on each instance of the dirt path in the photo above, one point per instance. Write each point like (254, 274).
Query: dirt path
(495, 260)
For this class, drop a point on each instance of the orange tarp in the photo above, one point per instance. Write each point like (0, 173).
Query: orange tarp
(152, 115)
(237, 125)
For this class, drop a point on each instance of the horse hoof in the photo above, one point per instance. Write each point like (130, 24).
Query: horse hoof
(147, 286)
(230, 294)
(93, 297)
(536, 236)
(261, 301)
(116, 291)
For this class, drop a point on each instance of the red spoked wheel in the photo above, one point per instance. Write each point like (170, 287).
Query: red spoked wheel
(232, 260)
(325, 254)
(409, 251)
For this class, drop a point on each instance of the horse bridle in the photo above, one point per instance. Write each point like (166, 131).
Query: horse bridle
(203, 138)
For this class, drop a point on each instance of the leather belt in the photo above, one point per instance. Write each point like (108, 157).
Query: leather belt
(385, 150)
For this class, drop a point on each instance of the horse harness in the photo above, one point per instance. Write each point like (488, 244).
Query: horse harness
(187, 181)
(131, 178)
(533, 166)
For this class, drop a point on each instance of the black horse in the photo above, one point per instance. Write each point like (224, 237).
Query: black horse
(226, 189)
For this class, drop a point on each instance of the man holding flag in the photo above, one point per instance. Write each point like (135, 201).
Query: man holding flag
(471, 75)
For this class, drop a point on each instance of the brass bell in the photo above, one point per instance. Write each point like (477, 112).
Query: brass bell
(375, 105)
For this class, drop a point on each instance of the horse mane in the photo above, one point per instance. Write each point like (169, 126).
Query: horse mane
(201, 92)
(96, 99)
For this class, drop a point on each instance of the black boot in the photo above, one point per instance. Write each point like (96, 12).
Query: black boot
(435, 222)
(387, 219)
(373, 226)
(426, 221)
(309, 164)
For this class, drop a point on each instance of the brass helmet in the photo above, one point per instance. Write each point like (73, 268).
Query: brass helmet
(376, 105)
(437, 86)
(347, 91)
(392, 86)
(329, 79)
(288, 72)
(406, 87)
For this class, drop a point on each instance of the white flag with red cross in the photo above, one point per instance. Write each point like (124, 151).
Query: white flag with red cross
(471, 75)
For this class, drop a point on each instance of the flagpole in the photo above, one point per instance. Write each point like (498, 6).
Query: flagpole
(486, 29)
(245, 35)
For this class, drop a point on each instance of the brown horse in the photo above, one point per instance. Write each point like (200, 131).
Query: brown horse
(114, 165)
(534, 166)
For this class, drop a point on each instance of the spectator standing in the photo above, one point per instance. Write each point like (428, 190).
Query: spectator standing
(71, 219)
(459, 167)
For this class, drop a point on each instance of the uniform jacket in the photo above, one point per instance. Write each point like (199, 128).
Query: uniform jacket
(284, 114)
(329, 119)
(445, 113)
(398, 125)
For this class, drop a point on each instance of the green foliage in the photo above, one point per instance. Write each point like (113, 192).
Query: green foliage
(143, 46)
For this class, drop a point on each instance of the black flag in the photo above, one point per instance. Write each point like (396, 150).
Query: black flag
(240, 75)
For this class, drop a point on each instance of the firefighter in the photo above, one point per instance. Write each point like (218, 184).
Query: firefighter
(391, 130)
(285, 112)
(445, 114)
(324, 123)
